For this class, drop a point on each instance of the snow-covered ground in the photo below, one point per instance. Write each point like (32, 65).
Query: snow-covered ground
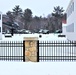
(20, 37)
(49, 37)
(41, 68)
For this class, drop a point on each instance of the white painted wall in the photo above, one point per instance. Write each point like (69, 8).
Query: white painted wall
(71, 19)
(1, 26)
(64, 29)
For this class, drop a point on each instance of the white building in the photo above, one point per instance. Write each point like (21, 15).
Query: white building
(0, 25)
(70, 28)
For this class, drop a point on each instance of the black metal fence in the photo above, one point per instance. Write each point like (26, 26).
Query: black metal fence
(11, 50)
(57, 51)
(47, 51)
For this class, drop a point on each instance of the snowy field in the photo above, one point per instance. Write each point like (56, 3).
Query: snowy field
(41, 68)
(52, 51)
(20, 37)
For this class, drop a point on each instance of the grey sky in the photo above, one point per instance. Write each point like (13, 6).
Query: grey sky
(38, 7)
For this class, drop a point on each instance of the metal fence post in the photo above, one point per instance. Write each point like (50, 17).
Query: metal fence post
(23, 51)
(38, 51)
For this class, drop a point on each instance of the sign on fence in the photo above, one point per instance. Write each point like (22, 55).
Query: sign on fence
(31, 49)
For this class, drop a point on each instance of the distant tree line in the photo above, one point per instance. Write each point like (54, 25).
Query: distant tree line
(26, 20)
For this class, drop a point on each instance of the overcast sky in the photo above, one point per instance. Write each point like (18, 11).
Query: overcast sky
(38, 7)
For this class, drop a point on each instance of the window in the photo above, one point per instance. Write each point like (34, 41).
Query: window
(70, 28)
(70, 9)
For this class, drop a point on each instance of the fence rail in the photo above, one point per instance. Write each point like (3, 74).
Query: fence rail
(57, 50)
(47, 51)
(11, 50)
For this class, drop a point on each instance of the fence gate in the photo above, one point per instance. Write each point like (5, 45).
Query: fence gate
(11, 50)
(57, 51)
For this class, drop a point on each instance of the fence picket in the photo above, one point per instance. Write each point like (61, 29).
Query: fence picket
(60, 50)
(9, 50)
